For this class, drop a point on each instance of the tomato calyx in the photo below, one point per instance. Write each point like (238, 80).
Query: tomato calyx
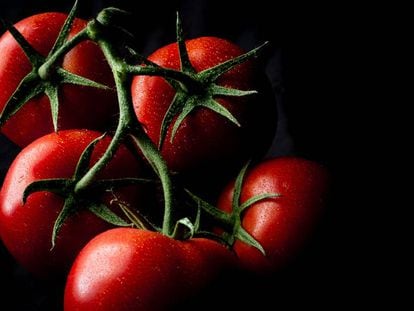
(232, 222)
(74, 200)
(46, 76)
(199, 89)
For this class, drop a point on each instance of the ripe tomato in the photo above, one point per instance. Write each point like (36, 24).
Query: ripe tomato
(77, 103)
(206, 139)
(26, 229)
(129, 269)
(281, 225)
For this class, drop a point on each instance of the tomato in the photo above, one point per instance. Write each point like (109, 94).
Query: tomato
(282, 224)
(129, 269)
(206, 140)
(26, 229)
(77, 103)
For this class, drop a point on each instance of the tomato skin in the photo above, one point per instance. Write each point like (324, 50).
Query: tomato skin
(77, 103)
(26, 230)
(129, 269)
(206, 139)
(281, 225)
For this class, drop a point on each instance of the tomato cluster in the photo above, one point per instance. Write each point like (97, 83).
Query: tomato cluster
(127, 217)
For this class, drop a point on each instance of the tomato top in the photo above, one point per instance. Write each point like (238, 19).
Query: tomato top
(284, 223)
(205, 138)
(78, 103)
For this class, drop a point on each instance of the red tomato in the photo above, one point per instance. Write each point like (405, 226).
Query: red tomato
(77, 103)
(26, 230)
(281, 225)
(206, 139)
(129, 269)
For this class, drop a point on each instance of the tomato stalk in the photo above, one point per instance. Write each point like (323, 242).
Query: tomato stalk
(128, 125)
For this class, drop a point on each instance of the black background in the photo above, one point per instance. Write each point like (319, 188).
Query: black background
(312, 66)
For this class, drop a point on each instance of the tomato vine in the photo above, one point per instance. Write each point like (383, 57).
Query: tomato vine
(193, 90)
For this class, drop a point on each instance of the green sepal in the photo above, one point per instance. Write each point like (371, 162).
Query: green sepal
(189, 106)
(256, 199)
(64, 31)
(238, 187)
(71, 78)
(51, 89)
(183, 104)
(30, 87)
(245, 237)
(58, 186)
(210, 209)
(225, 91)
(173, 110)
(106, 214)
(182, 50)
(213, 73)
(52, 93)
(221, 110)
(34, 57)
(83, 164)
(67, 211)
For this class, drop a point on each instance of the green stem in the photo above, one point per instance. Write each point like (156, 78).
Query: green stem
(188, 81)
(151, 152)
(87, 180)
(123, 122)
(128, 124)
(46, 68)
